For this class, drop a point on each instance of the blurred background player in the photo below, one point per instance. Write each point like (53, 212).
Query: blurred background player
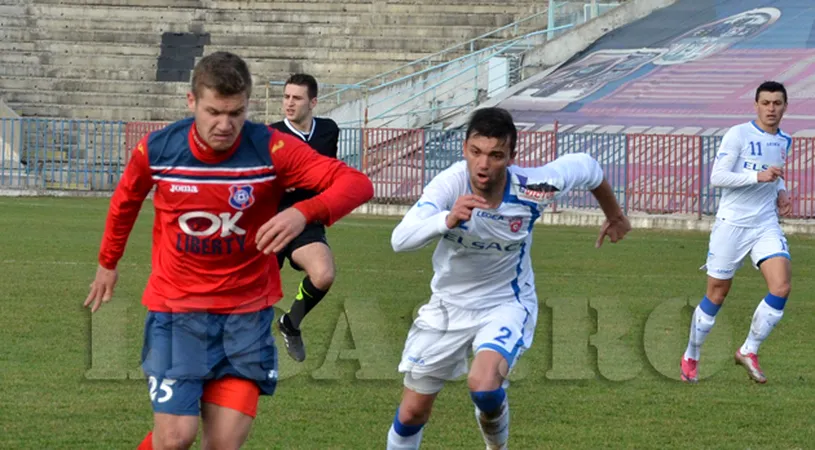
(208, 349)
(309, 251)
(749, 171)
(481, 212)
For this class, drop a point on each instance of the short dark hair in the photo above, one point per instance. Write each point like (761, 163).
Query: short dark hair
(304, 79)
(223, 72)
(494, 123)
(772, 86)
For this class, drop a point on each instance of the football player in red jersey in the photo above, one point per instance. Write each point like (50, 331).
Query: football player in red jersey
(208, 349)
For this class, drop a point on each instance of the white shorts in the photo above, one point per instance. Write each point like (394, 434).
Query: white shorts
(729, 246)
(443, 337)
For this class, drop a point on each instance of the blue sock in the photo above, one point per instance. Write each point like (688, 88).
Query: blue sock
(404, 430)
(708, 307)
(489, 401)
(775, 301)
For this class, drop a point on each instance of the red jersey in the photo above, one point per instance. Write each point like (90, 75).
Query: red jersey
(209, 207)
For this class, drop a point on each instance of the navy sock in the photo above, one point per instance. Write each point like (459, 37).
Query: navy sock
(489, 401)
(405, 430)
(775, 301)
(709, 307)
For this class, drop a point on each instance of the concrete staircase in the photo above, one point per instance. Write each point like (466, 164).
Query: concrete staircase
(130, 60)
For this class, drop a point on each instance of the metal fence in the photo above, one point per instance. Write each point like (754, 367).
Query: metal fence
(61, 153)
(657, 174)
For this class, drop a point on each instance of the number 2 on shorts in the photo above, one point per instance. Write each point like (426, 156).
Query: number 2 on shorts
(503, 338)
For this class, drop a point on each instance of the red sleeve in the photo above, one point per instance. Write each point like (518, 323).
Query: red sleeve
(341, 188)
(125, 204)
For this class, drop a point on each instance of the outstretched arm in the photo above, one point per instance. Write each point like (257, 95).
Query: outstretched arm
(572, 171)
(125, 204)
(616, 225)
(585, 171)
(341, 188)
(581, 171)
(604, 195)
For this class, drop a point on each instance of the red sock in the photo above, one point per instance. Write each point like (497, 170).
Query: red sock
(147, 443)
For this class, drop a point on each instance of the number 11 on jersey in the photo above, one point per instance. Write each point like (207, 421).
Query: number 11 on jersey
(755, 148)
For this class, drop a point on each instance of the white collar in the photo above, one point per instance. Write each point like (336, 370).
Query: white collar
(300, 133)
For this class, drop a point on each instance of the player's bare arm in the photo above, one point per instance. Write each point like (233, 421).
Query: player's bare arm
(616, 225)
(462, 210)
(784, 204)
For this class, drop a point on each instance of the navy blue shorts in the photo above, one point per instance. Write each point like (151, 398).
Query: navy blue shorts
(182, 351)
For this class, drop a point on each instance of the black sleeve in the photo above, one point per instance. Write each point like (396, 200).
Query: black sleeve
(335, 139)
(279, 126)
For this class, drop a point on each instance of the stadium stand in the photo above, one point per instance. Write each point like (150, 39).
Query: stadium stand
(690, 68)
(91, 59)
(651, 101)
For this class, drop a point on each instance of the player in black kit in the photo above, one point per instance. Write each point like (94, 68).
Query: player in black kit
(309, 251)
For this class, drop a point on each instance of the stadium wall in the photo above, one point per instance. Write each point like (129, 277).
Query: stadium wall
(418, 99)
(9, 143)
(10, 146)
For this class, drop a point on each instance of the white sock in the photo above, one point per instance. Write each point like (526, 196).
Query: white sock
(494, 429)
(399, 442)
(764, 320)
(700, 325)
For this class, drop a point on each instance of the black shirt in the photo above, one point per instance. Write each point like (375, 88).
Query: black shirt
(324, 136)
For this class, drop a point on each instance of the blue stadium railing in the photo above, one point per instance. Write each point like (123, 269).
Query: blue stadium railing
(659, 174)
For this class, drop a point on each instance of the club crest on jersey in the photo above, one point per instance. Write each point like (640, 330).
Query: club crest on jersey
(515, 224)
(240, 196)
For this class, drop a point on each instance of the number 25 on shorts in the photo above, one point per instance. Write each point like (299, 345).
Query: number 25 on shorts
(165, 388)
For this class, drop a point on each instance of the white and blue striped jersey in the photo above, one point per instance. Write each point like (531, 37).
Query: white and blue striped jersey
(485, 261)
(745, 151)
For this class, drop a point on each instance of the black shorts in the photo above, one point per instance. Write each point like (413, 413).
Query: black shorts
(314, 232)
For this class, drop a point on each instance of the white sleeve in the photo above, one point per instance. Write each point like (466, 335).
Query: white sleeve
(722, 175)
(781, 181)
(574, 171)
(427, 219)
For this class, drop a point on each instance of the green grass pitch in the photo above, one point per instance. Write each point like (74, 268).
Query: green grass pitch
(602, 371)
